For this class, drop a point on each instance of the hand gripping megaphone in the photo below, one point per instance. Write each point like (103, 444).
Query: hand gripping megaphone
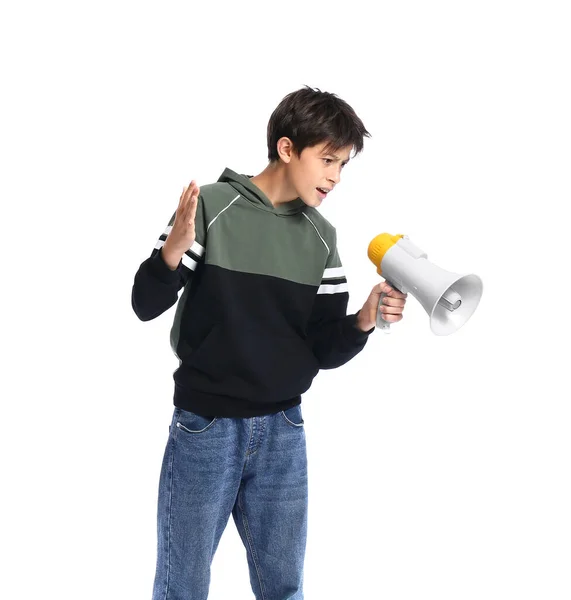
(449, 299)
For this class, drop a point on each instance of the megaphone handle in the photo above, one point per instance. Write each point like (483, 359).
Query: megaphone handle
(383, 325)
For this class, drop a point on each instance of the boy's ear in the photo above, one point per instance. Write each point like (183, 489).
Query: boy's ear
(285, 149)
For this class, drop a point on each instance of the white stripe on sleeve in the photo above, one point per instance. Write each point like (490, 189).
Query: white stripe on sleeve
(189, 262)
(333, 273)
(333, 289)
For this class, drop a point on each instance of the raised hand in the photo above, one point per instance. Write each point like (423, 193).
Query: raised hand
(182, 234)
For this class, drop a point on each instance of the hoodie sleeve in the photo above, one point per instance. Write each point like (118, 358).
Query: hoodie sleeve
(333, 335)
(156, 286)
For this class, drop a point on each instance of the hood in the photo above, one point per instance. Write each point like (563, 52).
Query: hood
(252, 193)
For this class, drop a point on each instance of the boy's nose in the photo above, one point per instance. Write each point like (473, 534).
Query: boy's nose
(336, 175)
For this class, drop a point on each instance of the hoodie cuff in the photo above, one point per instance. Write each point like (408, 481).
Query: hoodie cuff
(353, 332)
(159, 269)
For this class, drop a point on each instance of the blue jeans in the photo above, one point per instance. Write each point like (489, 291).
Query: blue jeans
(253, 468)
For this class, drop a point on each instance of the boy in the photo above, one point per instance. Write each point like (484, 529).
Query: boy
(262, 311)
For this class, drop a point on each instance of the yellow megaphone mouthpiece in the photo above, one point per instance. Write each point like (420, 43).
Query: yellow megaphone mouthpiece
(378, 247)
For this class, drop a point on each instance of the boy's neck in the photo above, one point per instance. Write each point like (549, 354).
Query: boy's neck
(273, 181)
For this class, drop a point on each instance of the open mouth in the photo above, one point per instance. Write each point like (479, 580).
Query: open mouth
(322, 191)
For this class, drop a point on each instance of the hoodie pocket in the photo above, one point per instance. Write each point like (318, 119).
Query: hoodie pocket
(247, 357)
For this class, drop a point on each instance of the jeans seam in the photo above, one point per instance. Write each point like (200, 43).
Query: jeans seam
(291, 422)
(250, 543)
(195, 431)
(169, 473)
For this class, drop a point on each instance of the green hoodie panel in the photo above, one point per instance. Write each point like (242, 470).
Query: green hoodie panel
(269, 249)
(236, 210)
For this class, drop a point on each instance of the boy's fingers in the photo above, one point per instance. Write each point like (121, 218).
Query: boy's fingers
(188, 190)
(393, 301)
(189, 194)
(391, 310)
(391, 291)
(189, 210)
(192, 209)
(383, 288)
(188, 203)
(181, 199)
(392, 318)
(192, 191)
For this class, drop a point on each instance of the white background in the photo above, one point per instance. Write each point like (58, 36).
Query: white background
(439, 466)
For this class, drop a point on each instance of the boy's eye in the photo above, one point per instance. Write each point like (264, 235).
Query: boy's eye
(330, 160)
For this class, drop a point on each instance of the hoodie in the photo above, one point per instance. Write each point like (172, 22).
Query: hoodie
(263, 306)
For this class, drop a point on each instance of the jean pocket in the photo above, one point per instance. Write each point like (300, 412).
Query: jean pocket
(190, 422)
(293, 416)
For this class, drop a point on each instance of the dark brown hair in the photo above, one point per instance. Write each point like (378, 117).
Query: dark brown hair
(309, 117)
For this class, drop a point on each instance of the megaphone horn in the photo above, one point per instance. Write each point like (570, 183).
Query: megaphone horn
(450, 299)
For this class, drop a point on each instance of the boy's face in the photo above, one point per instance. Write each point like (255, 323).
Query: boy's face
(316, 169)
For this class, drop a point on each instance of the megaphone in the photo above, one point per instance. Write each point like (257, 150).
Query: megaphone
(449, 298)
